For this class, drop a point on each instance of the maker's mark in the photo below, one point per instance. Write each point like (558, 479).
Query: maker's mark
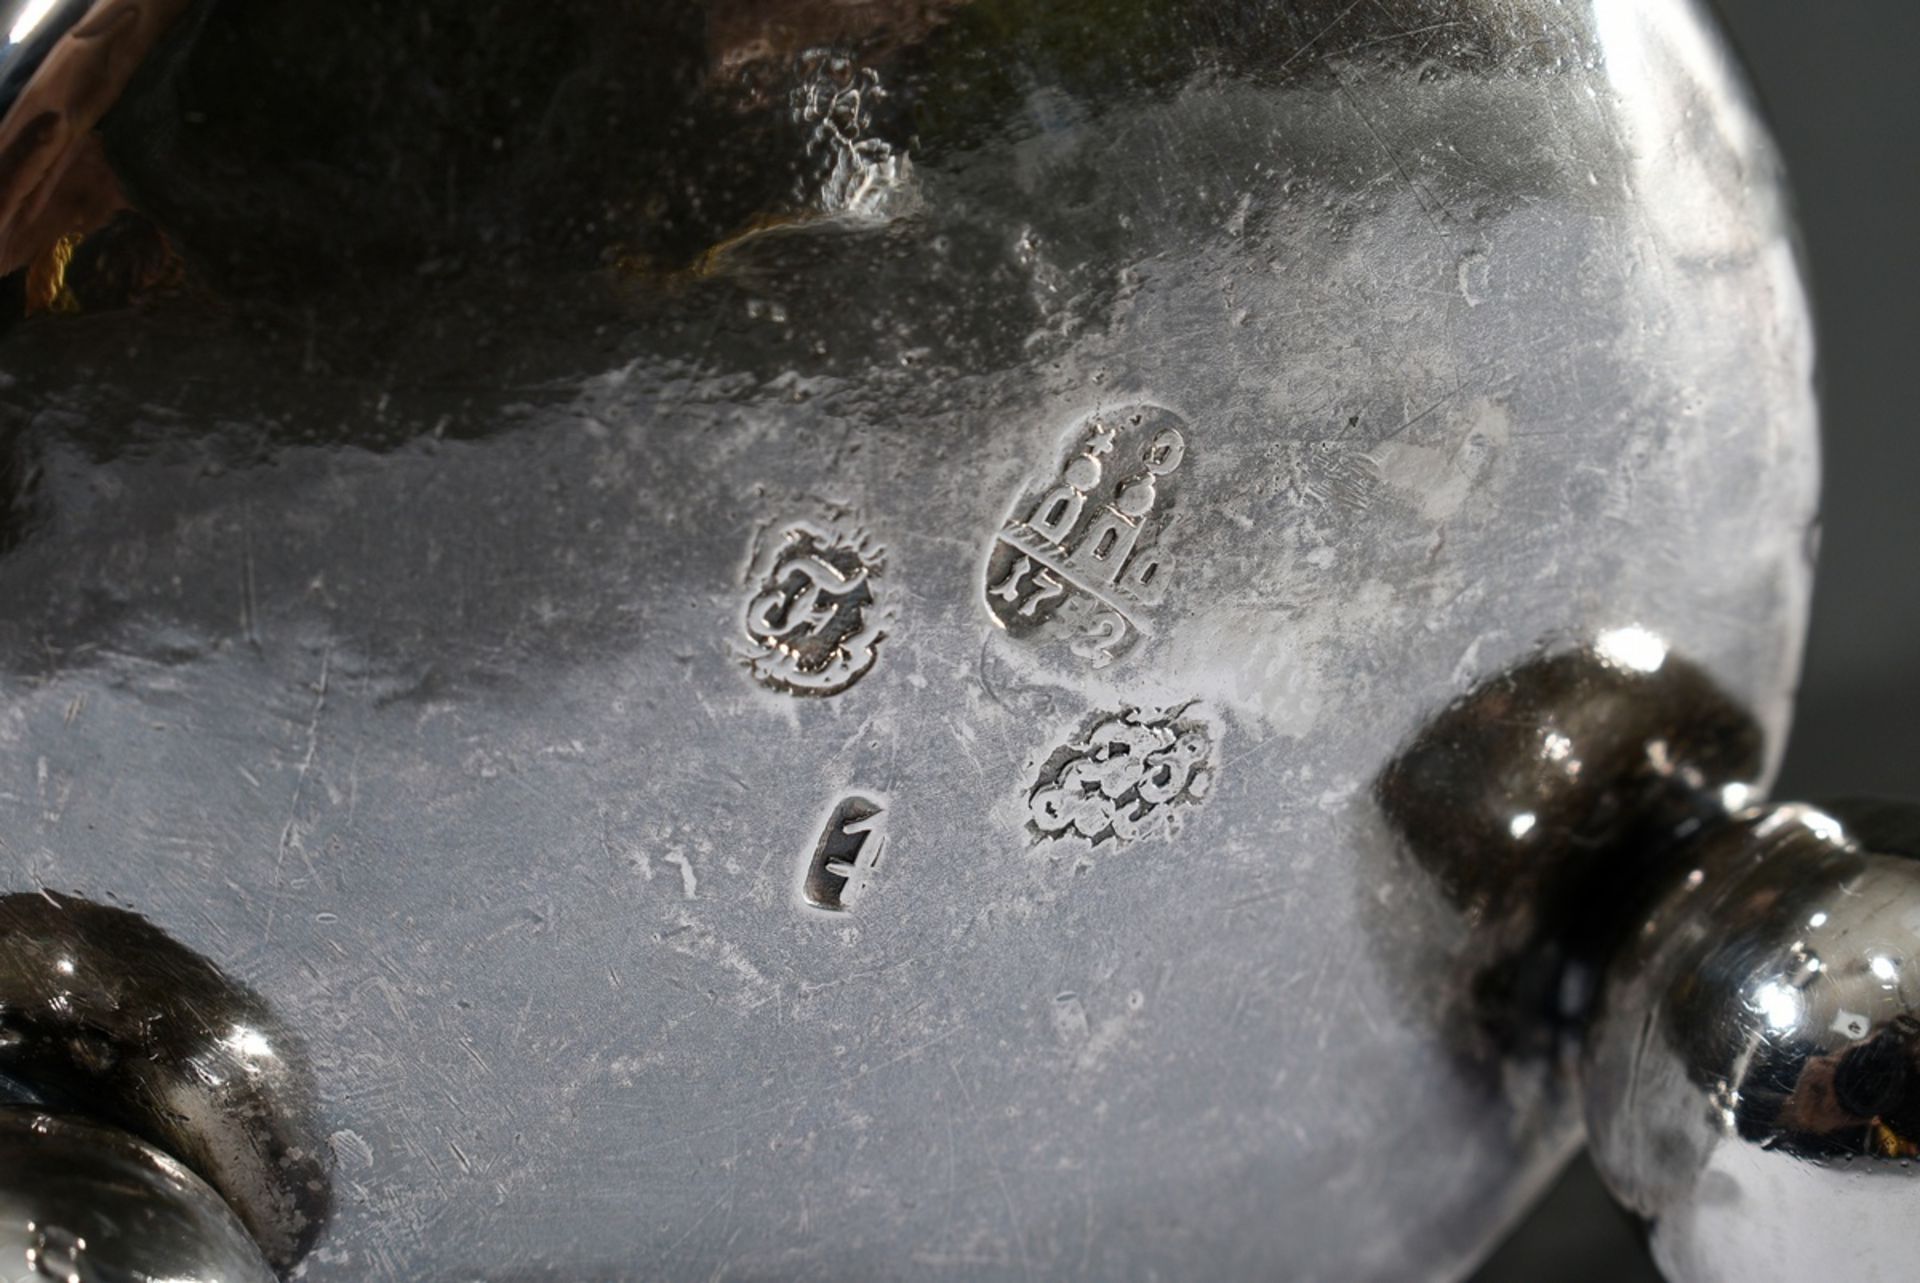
(1123, 777)
(813, 624)
(1081, 555)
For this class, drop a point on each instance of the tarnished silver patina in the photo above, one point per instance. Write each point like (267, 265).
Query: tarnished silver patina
(985, 641)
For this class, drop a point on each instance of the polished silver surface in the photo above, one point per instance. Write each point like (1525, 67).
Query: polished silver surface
(1753, 1077)
(396, 613)
(80, 1203)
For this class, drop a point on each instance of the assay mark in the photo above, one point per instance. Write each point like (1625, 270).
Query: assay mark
(1082, 555)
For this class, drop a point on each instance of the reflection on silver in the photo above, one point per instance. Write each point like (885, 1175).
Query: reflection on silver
(81, 1203)
(32, 14)
(1632, 648)
(31, 27)
(103, 1015)
(1753, 1075)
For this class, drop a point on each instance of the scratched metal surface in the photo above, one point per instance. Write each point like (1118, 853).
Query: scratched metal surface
(392, 651)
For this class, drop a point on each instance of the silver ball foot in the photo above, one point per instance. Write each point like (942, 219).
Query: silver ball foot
(1752, 1071)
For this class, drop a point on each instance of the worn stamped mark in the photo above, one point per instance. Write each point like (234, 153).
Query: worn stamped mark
(1082, 555)
(844, 858)
(813, 624)
(1123, 777)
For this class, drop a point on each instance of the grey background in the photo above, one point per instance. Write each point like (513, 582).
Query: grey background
(1839, 83)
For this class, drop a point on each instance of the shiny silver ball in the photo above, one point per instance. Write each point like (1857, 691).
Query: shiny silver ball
(81, 1203)
(1752, 1075)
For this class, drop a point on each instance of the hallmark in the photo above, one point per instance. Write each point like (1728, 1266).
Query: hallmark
(813, 624)
(1081, 556)
(844, 857)
(1123, 777)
